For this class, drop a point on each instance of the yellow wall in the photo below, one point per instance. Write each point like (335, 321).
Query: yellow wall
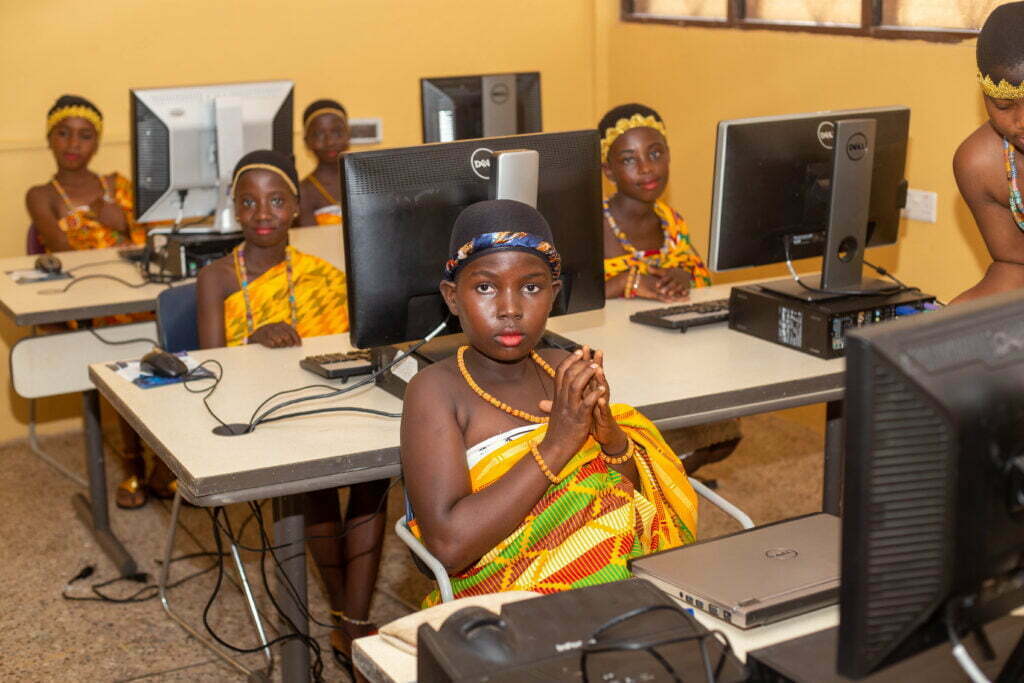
(695, 77)
(368, 54)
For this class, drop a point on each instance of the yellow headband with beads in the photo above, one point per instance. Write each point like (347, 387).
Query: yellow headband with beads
(79, 110)
(264, 167)
(621, 126)
(1004, 90)
(324, 110)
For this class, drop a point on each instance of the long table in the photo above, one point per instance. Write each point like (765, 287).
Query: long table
(707, 374)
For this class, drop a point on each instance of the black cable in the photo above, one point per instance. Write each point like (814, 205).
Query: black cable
(287, 391)
(886, 291)
(206, 391)
(111, 342)
(98, 276)
(341, 409)
(154, 589)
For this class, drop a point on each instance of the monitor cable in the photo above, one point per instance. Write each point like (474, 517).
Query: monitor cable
(886, 291)
(960, 653)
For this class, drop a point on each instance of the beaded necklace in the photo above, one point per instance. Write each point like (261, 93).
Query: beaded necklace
(243, 280)
(500, 405)
(627, 246)
(1016, 203)
(67, 200)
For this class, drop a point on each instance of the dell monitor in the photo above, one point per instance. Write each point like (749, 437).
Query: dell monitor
(797, 186)
(933, 514)
(400, 205)
(464, 107)
(186, 142)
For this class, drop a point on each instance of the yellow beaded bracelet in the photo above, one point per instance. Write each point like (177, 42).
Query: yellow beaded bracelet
(619, 459)
(541, 464)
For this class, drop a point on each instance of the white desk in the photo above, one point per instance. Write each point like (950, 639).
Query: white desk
(706, 374)
(46, 367)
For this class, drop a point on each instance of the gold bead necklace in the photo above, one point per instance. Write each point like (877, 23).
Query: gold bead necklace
(500, 405)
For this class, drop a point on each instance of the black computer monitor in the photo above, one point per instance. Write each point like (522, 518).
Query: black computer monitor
(464, 107)
(933, 513)
(797, 186)
(400, 205)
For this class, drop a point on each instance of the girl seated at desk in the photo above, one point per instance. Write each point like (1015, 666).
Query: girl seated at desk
(80, 209)
(325, 123)
(647, 246)
(268, 293)
(521, 473)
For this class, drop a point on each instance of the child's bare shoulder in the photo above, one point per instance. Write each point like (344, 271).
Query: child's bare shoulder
(433, 386)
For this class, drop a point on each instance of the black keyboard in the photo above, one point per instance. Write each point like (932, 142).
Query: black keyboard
(684, 316)
(338, 365)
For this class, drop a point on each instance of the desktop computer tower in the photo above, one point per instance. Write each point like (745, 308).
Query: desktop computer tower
(816, 327)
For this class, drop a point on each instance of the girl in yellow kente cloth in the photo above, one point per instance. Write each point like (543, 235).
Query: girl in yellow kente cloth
(77, 208)
(325, 123)
(648, 253)
(266, 292)
(647, 245)
(520, 472)
(80, 209)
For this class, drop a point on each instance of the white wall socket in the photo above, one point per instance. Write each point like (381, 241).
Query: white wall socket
(922, 205)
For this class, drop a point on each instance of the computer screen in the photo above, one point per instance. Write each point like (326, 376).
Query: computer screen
(464, 107)
(781, 181)
(933, 511)
(400, 205)
(186, 142)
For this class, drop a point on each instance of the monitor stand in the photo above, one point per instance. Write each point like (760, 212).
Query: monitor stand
(853, 159)
(395, 380)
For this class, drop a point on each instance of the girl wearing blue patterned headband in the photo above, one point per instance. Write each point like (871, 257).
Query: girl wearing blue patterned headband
(561, 486)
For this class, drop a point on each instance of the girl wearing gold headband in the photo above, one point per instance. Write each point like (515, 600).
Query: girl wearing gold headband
(325, 123)
(647, 246)
(77, 208)
(265, 292)
(988, 163)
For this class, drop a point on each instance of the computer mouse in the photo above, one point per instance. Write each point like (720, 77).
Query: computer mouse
(162, 364)
(482, 633)
(48, 263)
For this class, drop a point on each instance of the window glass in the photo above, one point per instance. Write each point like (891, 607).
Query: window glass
(821, 12)
(961, 14)
(702, 9)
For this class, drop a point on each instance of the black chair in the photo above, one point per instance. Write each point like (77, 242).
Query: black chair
(176, 325)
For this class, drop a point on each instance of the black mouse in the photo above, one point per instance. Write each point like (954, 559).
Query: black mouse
(48, 263)
(162, 364)
(483, 633)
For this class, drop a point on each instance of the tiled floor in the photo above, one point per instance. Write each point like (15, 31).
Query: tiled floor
(46, 637)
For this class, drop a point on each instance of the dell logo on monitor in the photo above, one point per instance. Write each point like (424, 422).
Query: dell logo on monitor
(499, 93)
(781, 554)
(827, 134)
(480, 162)
(857, 146)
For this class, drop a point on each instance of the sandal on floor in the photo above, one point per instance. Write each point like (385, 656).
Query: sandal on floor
(343, 661)
(164, 491)
(131, 494)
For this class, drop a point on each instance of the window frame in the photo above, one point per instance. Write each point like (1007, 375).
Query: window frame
(870, 24)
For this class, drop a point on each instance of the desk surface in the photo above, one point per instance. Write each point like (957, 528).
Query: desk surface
(675, 378)
(42, 302)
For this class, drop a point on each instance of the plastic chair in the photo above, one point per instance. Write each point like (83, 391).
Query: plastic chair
(176, 326)
(178, 330)
(441, 576)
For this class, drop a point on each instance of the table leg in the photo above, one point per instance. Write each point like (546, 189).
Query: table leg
(832, 493)
(289, 530)
(92, 511)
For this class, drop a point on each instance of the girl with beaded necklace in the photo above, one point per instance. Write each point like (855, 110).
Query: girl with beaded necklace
(325, 123)
(520, 473)
(265, 292)
(647, 246)
(988, 163)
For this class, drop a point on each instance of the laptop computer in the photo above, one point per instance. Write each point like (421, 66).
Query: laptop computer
(753, 577)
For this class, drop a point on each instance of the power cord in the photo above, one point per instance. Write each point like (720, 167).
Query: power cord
(886, 291)
(144, 594)
(111, 342)
(960, 653)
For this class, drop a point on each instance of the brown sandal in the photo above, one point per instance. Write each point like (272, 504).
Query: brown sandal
(131, 494)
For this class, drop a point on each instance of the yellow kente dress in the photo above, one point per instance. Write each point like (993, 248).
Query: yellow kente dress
(585, 528)
(303, 290)
(330, 214)
(83, 228)
(675, 252)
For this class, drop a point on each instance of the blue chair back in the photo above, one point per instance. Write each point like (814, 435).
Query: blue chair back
(177, 328)
(33, 245)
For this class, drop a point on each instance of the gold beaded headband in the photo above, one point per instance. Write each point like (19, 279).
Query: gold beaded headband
(324, 110)
(80, 110)
(612, 133)
(265, 167)
(1003, 91)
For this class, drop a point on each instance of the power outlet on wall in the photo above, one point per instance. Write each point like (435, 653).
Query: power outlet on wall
(922, 205)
